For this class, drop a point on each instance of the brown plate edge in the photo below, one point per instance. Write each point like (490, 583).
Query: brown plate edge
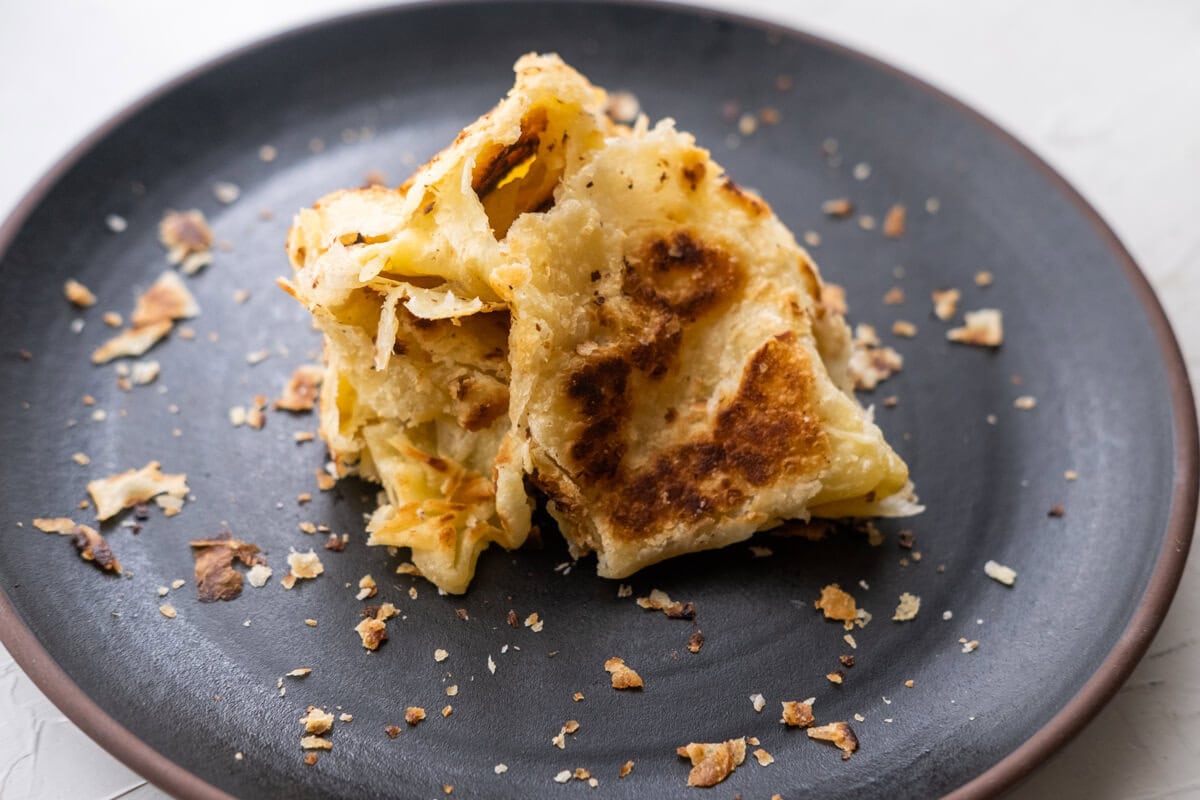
(1147, 617)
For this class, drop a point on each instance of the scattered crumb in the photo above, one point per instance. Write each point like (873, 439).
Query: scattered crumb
(840, 734)
(908, 607)
(894, 222)
(301, 391)
(870, 363)
(1057, 510)
(903, 328)
(226, 192)
(78, 294)
(304, 565)
(116, 223)
(797, 714)
(1071, 475)
(838, 208)
(835, 677)
(713, 763)
(661, 601)
(983, 328)
(624, 590)
(837, 605)
(812, 238)
(392, 731)
(758, 701)
(500, 769)
(945, 303)
(1025, 402)
(983, 278)
(81, 459)
(167, 610)
(626, 768)
(414, 715)
(366, 587)
(695, 642)
(267, 153)
(315, 743)
(623, 677)
(866, 222)
(1001, 573)
(969, 647)
(622, 107)
(301, 672)
(216, 578)
(117, 492)
(761, 552)
(763, 757)
(440, 655)
(894, 296)
(188, 239)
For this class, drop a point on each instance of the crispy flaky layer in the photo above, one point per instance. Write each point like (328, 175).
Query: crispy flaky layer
(593, 310)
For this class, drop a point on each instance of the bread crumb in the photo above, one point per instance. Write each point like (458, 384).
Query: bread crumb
(945, 303)
(626, 768)
(414, 715)
(838, 208)
(894, 222)
(167, 610)
(797, 714)
(983, 328)
(78, 294)
(713, 762)
(763, 757)
(1001, 573)
(1025, 402)
(366, 587)
(840, 734)
(758, 701)
(983, 278)
(908, 607)
(904, 328)
(623, 677)
(661, 601)
(837, 605)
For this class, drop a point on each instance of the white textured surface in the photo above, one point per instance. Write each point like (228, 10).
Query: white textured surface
(1108, 93)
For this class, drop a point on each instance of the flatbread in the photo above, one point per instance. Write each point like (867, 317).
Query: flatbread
(593, 310)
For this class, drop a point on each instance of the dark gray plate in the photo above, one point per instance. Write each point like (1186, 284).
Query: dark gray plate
(177, 698)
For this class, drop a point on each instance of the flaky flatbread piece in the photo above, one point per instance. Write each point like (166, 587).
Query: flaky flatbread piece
(560, 302)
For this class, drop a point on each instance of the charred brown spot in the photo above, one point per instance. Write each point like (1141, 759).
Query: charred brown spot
(751, 204)
(683, 275)
(600, 388)
(693, 174)
(766, 431)
(499, 160)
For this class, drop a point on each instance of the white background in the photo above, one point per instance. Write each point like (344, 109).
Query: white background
(1107, 92)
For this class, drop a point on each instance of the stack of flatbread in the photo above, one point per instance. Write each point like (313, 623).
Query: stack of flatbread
(562, 305)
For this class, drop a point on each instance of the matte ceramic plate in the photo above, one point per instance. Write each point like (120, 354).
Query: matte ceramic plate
(177, 699)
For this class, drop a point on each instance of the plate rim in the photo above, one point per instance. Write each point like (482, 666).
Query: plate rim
(1099, 688)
